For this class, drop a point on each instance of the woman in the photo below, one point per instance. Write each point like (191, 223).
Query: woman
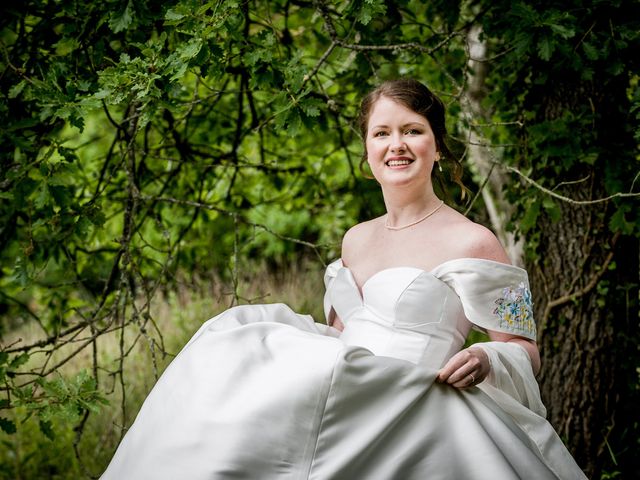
(387, 392)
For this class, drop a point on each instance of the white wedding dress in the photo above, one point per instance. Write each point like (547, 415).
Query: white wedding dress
(261, 392)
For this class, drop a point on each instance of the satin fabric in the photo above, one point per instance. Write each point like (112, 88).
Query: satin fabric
(262, 392)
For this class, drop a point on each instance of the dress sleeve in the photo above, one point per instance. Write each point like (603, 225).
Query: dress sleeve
(329, 275)
(495, 296)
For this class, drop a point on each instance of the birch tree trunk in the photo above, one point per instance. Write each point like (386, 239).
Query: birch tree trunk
(481, 157)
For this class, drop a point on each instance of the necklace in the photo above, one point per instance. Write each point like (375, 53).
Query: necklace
(389, 227)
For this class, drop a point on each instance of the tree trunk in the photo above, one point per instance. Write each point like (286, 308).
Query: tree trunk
(587, 325)
(576, 336)
(481, 157)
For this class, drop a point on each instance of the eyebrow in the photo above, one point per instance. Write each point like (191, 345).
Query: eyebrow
(401, 126)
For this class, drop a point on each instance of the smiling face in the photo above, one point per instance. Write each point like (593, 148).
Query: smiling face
(401, 147)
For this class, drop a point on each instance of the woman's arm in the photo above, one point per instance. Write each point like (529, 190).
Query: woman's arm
(471, 366)
(529, 345)
(351, 248)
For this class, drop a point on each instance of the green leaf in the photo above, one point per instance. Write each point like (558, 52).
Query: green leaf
(173, 15)
(189, 50)
(102, 93)
(46, 428)
(68, 154)
(619, 223)
(311, 106)
(615, 67)
(367, 10)
(66, 45)
(257, 55)
(524, 11)
(562, 30)
(590, 51)
(20, 274)
(589, 158)
(7, 426)
(552, 209)
(24, 394)
(19, 360)
(16, 90)
(95, 215)
(121, 22)
(83, 227)
(546, 46)
(530, 217)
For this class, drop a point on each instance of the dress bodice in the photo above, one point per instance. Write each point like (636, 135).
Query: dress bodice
(424, 316)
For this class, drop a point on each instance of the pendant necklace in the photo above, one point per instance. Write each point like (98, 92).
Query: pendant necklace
(389, 227)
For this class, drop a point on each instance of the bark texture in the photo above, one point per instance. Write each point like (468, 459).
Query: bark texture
(584, 277)
(577, 337)
(587, 318)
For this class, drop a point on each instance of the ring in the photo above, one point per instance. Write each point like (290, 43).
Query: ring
(473, 379)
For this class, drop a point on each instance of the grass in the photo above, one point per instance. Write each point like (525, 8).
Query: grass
(29, 454)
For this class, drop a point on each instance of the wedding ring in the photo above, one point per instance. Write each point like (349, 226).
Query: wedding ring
(473, 379)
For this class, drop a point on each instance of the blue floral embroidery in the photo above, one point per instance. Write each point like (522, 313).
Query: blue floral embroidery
(515, 310)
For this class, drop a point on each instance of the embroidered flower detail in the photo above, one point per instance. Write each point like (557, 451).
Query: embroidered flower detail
(515, 310)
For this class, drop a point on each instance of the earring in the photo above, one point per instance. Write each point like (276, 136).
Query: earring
(438, 160)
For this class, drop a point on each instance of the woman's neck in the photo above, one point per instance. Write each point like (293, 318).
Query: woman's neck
(405, 207)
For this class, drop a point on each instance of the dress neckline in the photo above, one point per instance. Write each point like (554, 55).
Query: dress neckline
(447, 264)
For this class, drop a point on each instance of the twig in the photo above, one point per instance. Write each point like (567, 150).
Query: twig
(580, 292)
(564, 198)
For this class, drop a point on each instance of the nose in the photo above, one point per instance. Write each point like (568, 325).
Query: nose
(397, 145)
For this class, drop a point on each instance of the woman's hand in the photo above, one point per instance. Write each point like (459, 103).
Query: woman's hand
(334, 320)
(466, 368)
(337, 324)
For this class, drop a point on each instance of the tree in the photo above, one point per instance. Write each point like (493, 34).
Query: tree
(572, 68)
(150, 138)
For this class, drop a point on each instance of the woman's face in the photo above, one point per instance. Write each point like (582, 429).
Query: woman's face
(401, 147)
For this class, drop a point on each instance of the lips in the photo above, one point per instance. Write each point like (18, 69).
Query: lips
(398, 162)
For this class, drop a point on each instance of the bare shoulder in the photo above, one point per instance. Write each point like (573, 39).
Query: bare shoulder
(474, 240)
(356, 237)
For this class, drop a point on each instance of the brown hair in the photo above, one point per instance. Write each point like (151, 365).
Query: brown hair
(416, 97)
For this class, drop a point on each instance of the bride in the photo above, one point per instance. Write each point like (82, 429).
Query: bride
(386, 392)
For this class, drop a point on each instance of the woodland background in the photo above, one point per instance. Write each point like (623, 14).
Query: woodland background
(163, 160)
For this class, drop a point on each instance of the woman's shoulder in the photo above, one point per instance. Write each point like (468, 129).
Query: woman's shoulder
(356, 237)
(359, 231)
(471, 240)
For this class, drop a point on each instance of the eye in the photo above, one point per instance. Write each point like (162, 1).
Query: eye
(412, 131)
(380, 133)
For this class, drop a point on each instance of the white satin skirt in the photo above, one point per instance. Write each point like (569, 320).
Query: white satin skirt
(261, 392)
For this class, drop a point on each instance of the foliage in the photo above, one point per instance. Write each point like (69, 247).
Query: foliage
(28, 454)
(554, 47)
(573, 68)
(146, 139)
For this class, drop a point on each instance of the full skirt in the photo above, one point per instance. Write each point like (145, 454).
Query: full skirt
(261, 392)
